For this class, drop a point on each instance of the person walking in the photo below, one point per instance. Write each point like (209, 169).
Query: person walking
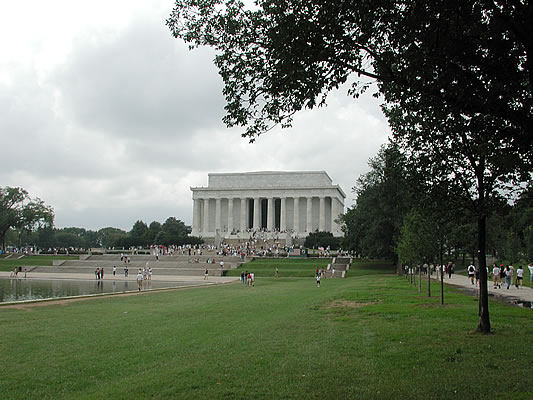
(530, 267)
(496, 276)
(471, 273)
(139, 280)
(317, 280)
(114, 270)
(502, 275)
(206, 275)
(519, 277)
(508, 276)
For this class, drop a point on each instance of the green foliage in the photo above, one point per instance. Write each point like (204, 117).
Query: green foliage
(20, 212)
(372, 226)
(418, 243)
(322, 239)
(279, 57)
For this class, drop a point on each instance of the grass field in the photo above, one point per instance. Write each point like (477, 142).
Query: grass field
(10, 263)
(368, 336)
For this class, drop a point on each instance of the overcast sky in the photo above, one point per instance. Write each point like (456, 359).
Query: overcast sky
(109, 119)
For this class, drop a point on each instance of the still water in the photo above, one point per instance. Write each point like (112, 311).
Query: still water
(34, 289)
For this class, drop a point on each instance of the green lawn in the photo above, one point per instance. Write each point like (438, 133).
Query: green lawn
(298, 267)
(9, 264)
(306, 267)
(363, 337)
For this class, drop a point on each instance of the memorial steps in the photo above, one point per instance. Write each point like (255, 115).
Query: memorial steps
(177, 265)
(340, 265)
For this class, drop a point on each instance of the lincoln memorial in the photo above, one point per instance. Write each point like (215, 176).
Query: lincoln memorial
(282, 203)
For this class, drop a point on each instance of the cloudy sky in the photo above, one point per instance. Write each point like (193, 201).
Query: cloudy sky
(109, 119)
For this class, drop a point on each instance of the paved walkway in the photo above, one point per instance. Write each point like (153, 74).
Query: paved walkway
(511, 295)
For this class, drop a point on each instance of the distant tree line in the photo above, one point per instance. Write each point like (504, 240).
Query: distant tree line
(399, 217)
(29, 222)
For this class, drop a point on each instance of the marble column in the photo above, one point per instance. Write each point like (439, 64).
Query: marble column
(335, 211)
(270, 214)
(257, 208)
(244, 222)
(206, 216)
(296, 225)
(322, 215)
(309, 218)
(283, 214)
(218, 214)
(195, 217)
(230, 215)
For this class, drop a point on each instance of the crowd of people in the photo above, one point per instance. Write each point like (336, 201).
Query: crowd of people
(499, 274)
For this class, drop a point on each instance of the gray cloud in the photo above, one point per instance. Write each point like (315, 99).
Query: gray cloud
(129, 120)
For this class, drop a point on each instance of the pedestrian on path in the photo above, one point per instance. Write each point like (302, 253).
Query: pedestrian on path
(530, 267)
(317, 280)
(519, 277)
(502, 275)
(114, 270)
(496, 276)
(139, 280)
(206, 275)
(508, 276)
(471, 273)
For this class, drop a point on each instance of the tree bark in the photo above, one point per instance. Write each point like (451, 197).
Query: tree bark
(484, 320)
(419, 279)
(429, 281)
(441, 275)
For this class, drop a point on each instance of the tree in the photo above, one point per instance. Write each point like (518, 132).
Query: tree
(15, 214)
(438, 65)
(138, 232)
(153, 229)
(372, 226)
(33, 216)
(173, 231)
(322, 239)
(109, 237)
(417, 243)
(281, 56)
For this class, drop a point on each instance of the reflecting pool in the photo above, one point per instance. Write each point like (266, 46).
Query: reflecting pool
(33, 289)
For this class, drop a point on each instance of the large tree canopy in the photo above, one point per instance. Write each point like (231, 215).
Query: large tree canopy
(19, 211)
(281, 56)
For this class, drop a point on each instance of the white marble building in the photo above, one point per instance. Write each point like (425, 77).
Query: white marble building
(294, 203)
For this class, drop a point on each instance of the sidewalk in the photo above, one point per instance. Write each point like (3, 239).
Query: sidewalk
(511, 295)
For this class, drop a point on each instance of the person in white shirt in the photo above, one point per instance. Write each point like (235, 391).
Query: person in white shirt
(496, 276)
(508, 276)
(519, 276)
(140, 280)
(471, 273)
(530, 267)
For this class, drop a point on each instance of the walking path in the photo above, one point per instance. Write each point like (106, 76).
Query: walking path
(512, 294)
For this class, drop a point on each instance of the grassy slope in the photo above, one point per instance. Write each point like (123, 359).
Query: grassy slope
(306, 267)
(359, 337)
(9, 264)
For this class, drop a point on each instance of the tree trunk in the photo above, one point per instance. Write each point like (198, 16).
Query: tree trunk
(429, 281)
(419, 279)
(484, 320)
(399, 267)
(441, 269)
